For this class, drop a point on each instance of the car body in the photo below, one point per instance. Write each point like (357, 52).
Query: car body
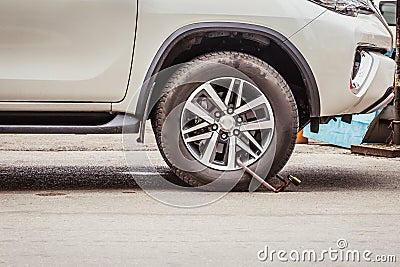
(74, 66)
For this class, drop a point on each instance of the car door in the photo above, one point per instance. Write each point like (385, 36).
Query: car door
(66, 50)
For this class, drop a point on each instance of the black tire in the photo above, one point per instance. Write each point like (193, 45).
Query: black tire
(205, 68)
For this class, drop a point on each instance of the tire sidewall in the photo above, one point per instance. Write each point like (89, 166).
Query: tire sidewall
(260, 74)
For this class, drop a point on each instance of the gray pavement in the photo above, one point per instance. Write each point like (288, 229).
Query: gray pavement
(70, 200)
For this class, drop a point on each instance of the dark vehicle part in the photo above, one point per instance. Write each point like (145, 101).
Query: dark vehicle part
(381, 129)
(67, 123)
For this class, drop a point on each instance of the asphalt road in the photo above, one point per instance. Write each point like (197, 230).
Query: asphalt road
(71, 200)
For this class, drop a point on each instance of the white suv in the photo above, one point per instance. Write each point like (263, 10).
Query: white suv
(237, 77)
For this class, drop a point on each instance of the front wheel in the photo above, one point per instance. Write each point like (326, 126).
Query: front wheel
(221, 107)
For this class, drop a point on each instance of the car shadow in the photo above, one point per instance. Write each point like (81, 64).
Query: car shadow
(103, 177)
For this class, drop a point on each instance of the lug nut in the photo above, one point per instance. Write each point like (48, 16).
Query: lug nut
(236, 132)
(215, 127)
(239, 120)
(217, 114)
(224, 136)
(230, 110)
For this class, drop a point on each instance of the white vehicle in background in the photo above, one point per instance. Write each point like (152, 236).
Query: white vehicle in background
(263, 69)
(388, 10)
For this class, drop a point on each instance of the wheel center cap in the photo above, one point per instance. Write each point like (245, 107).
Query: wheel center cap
(227, 123)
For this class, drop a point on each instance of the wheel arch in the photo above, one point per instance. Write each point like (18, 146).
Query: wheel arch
(175, 49)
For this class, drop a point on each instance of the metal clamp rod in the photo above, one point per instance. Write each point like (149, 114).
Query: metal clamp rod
(261, 180)
(285, 184)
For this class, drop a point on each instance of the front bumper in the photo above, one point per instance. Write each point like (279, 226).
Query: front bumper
(378, 77)
(329, 45)
(381, 103)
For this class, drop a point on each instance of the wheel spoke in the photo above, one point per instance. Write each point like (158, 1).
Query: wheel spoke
(257, 125)
(232, 152)
(229, 93)
(251, 105)
(214, 96)
(199, 111)
(239, 94)
(199, 137)
(217, 125)
(196, 127)
(210, 150)
(246, 148)
(253, 140)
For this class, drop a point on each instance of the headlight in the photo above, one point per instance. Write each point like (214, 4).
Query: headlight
(347, 7)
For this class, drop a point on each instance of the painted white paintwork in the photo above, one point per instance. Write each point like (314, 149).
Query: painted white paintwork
(65, 50)
(80, 50)
(158, 19)
(329, 44)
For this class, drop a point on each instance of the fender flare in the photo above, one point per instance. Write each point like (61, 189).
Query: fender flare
(143, 107)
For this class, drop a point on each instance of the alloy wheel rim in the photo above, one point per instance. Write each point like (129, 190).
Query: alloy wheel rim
(224, 119)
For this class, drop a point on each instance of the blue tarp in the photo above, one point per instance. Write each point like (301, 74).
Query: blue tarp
(343, 134)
